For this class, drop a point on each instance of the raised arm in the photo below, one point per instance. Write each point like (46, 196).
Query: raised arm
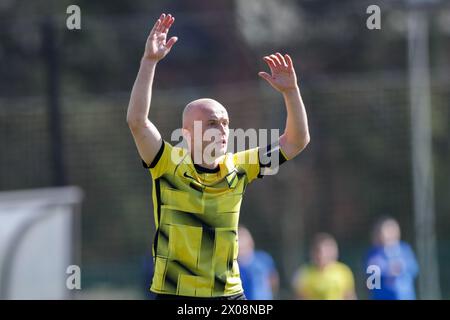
(283, 79)
(147, 138)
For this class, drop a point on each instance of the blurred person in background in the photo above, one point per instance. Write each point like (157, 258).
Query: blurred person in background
(259, 275)
(147, 275)
(324, 278)
(197, 201)
(395, 260)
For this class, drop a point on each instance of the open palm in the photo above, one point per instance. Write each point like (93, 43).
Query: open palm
(283, 77)
(157, 47)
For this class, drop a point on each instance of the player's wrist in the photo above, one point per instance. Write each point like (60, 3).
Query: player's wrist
(149, 61)
(291, 91)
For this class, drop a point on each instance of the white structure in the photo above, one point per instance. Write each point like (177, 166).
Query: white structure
(39, 239)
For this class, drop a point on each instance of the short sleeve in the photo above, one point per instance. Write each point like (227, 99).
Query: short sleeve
(161, 162)
(300, 282)
(248, 160)
(411, 261)
(349, 279)
(271, 157)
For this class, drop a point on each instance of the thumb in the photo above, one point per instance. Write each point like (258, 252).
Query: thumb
(171, 42)
(265, 76)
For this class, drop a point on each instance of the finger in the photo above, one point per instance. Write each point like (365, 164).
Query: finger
(156, 26)
(270, 62)
(171, 42)
(161, 17)
(166, 23)
(265, 76)
(161, 25)
(161, 21)
(275, 59)
(171, 21)
(289, 61)
(281, 58)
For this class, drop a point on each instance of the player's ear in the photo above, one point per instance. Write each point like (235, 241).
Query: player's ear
(187, 136)
(186, 133)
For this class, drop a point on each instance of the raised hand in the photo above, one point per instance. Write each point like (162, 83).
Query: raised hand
(157, 47)
(283, 76)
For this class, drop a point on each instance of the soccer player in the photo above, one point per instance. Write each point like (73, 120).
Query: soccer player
(259, 275)
(325, 278)
(396, 261)
(197, 201)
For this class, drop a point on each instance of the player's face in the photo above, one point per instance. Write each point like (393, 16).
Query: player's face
(214, 123)
(246, 243)
(216, 129)
(389, 233)
(324, 253)
(206, 128)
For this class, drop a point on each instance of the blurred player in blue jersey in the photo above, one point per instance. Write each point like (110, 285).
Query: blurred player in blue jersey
(395, 260)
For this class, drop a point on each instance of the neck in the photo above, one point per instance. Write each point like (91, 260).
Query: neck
(210, 165)
(201, 169)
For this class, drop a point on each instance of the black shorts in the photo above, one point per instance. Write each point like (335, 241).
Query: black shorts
(157, 296)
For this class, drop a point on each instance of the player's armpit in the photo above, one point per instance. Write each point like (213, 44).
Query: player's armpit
(155, 159)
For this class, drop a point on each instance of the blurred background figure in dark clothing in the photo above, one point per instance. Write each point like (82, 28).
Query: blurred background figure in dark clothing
(396, 262)
(258, 272)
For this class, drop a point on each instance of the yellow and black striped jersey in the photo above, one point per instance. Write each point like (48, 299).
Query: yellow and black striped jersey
(196, 215)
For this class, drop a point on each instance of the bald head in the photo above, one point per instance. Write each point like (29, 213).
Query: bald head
(200, 109)
(211, 118)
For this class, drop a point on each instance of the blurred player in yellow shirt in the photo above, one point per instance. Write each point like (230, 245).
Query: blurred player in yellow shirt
(325, 278)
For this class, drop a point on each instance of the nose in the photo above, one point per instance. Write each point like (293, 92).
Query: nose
(222, 129)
